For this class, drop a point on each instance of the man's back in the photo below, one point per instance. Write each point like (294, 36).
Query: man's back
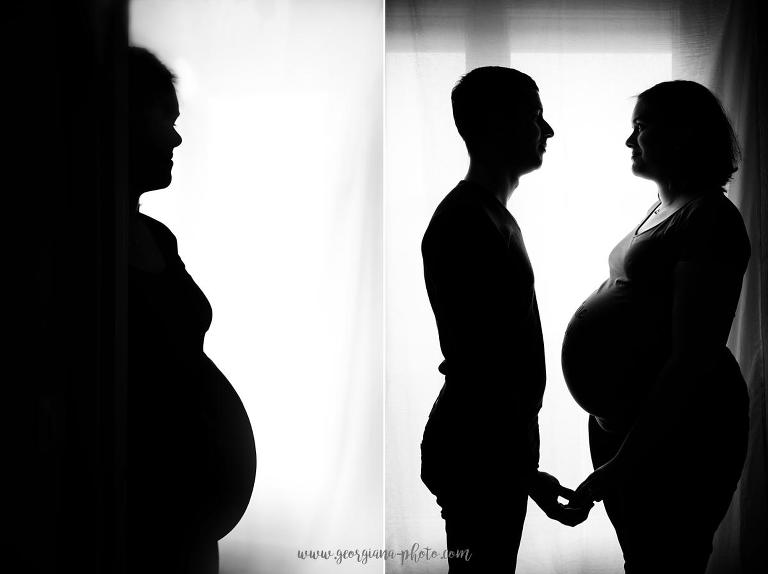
(480, 451)
(480, 285)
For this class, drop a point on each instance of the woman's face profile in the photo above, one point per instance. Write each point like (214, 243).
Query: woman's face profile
(653, 144)
(153, 139)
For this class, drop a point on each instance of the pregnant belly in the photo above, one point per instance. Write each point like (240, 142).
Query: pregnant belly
(191, 454)
(613, 348)
(231, 461)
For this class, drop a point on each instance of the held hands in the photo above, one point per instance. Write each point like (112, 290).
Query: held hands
(546, 489)
(601, 480)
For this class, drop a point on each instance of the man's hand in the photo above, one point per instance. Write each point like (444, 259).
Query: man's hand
(546, 489)
(601, 480)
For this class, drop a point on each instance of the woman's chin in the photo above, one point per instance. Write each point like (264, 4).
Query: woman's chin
(153, 184)
(640, 170)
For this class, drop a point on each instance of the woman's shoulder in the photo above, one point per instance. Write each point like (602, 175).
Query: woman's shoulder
(713, 219)
(714, 208)
(155, 225)
(163, 235)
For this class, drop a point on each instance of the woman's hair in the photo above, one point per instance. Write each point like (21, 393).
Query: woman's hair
(148, 78)
(711, 152)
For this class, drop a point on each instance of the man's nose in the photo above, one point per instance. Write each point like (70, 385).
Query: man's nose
(548, 131)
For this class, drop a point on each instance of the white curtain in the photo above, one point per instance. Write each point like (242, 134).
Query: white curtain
(589, 60)
(738, 74)
(276, 203)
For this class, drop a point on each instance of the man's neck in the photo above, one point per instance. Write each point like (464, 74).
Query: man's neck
(499, 182)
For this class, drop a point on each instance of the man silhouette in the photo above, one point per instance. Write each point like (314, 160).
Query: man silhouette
(481, 444)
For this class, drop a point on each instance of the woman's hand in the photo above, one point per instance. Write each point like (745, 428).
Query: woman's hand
(600, 481)
(545, 491)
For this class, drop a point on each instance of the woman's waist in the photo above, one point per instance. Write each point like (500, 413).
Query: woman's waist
(691, 391)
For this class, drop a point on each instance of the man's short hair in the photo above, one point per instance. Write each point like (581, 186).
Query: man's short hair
(486, 93)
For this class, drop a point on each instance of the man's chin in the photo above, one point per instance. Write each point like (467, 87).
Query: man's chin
(532, 165)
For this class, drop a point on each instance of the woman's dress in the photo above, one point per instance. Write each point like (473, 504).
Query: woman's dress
(615, 350)
(191, 459)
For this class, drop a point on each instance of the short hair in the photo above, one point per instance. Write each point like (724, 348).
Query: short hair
(148, 78)
(711, 155)
(485, 93)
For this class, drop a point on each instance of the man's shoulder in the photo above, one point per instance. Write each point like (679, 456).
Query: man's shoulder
(459, 208)
(461, 218)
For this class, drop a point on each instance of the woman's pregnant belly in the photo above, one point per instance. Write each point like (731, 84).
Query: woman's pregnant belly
(613, 349)
(191, 453)
(231, 461)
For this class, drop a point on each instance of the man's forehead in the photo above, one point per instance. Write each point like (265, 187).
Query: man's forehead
(528, 99)
(533, 97)
(523, 102)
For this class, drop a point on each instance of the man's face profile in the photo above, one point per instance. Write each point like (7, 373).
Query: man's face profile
(515, 133)
(522, 133)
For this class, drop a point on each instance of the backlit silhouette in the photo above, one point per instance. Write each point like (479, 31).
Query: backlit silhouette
(191, 460)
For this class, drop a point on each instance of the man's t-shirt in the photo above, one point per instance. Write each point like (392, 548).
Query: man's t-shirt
(481, 288)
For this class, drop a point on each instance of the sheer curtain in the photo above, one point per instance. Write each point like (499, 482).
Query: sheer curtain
(738, 74)
(589, 60)
(276, 204)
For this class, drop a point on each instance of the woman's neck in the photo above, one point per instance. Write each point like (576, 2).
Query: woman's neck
(134, 204)
(674, 193)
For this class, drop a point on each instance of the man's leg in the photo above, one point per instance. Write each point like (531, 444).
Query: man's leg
(485, 537)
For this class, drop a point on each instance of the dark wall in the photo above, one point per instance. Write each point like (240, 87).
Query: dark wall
(63, 203)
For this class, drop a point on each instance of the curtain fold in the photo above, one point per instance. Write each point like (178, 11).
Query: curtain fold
(738, 75)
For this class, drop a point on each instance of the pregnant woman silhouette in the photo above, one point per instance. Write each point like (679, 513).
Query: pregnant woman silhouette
(646, 353)
(191, 459)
